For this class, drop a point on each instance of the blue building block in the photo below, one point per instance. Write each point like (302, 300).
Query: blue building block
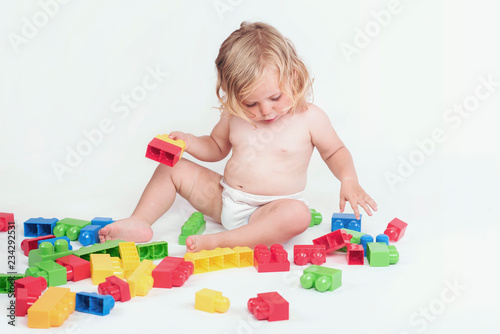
(89, 235)
(346, 220)
(382, 238)
(102, 221)
(36, 227)
(365, 239)
(94, 303)
(53, 240)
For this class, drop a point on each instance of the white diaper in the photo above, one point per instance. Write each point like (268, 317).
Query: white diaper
(238, 206)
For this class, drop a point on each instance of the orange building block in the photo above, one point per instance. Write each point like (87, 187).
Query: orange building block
(52, 308)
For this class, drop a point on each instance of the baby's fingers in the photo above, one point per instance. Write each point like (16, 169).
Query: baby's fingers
(371, 202)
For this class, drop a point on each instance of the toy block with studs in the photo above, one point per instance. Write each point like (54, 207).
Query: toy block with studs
(5, 220)
(101, 221)
(109, 247)
(54, 273)
(89, 235)
(93, 303)
(141, 280)
(364, 240)
(165, 150)
(36, 227)
(116, 288)
(321, 278)
(304, 254)
(355, 235)
(76, 268)
(211, 301)
(380, 254)
(172, 272)
(270, 306)
(316, 218)
(270, 260)
(395, 229)
(346, 220)
(33, 285)
(195, 225)
(70, 227)
(382, 238)
(7, 282)
(334, 240)
(52, 308)
(355, 254)
(29, 244)
(152, 251)
(48, 251)
(129, 257)
(53, 241)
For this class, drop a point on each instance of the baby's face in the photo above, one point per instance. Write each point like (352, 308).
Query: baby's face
(267, 103)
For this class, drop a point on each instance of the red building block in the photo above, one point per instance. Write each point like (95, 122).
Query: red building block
(333, 241)
(33, 285)
(270, 306)
(116, 288)
(355, 254)
(172, 271)
(5, 219)
(395, 229)
(275, 259)
(32, 243)
(165, 150)
(304, 254)
(24, 300)
(76, 268)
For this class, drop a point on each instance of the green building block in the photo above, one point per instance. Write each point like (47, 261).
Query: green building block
(356, 236)
(196, 224)
(316, 218)
(7, 282)
(321, 278)
(380, 254)
(53, 272)
(69, 227)
(47, 251)
(109, 247)
(153, 250)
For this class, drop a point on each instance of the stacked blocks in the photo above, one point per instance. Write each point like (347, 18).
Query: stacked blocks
(76, 268)
(195, 225)
(220, 258)
(165, 150)
(29, 244)
(381, 255)
(94, 303)
(346, 220)
(115, 287)
(141, 280)
(5, 219)
(153, 250)
(47, 251)
(52, 308)
(172, 272)
(395, 229)
(36, 227)
(271, 306)
(271, 260)
(70, 227)
(129, 257)
(89, 235)
(304, 254)
(316, 218)
(52, 272)
(211, 301)
(321, 278)
(333, 241)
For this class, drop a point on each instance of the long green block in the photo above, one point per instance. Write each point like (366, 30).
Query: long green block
(153, 250)
(53, 272)
(7, 282)
(316, 218)
(321, 278)
(109, 247)
(195, 224)
(47, 251)
(70, 227)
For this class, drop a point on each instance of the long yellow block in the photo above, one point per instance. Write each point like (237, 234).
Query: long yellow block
(141, 280)
(129, 256)
(52, 308)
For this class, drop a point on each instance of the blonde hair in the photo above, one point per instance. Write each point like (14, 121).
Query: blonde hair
(242, 60)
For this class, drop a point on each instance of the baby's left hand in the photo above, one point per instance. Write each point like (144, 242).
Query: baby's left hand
(351, 191)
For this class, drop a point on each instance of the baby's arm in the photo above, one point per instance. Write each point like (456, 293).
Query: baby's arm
(208, 148)
(339, 161)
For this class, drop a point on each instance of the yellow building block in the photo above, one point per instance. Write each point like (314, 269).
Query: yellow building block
(211, 301)
(117, 267)
(245, 256)
(129, 256)
(101, 267)
(52, 308)
(176, 142)
(141, 280)
(220, 258)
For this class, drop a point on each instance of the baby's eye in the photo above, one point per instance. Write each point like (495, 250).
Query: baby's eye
(251, 105)
(276, 98)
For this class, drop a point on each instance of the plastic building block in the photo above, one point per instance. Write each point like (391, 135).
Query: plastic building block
(316, 218)
(271, 306)
(346, 220)
(54, 273)
(36, 227)
(93, 303)
(52, 308)
(5, 219)
(141, 280)
(76, 268)
(33, 285)
(382, 238)
(24, 300)
(53, 241)
(165, 150)
(364, 240)
(47, 251)
(220, 258)
(172, 271)
(7, 282)
(116, 288)
(100, 267)
(355, 235)
(117, 267)
(211, 301)
(333, 241)
(70, 227)
(245, 257)
(89, 235)
(195, 225)
(355, 254)
(321, 278)
(270, 260)
(109, 247)
(129, 256)
(381, 255)
(153, 250)
(304, 254)
(29, 244)
(395, 229)
(101, 221)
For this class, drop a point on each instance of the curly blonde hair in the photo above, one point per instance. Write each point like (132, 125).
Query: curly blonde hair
(242, 60)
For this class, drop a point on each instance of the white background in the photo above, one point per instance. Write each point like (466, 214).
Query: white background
(66, 76)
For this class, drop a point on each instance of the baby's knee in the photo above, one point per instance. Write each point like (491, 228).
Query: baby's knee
(299, 215)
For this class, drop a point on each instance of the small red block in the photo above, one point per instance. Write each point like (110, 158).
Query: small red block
(333, 241)
(76, 268)
(33, 285)
(24, 300)
(304, 254)
(395, 229)
(355, 254)
(5, 219)
(172, 272)
(270, 260)
(163, 152)
(29, 244)
(116, 288)
(271, 306)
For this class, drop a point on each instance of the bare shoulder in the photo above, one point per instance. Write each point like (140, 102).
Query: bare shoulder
(315, 117)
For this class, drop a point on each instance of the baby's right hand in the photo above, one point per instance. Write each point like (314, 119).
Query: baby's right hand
(181, 135)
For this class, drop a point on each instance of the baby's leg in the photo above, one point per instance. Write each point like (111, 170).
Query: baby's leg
(275, 222)
(197, 184)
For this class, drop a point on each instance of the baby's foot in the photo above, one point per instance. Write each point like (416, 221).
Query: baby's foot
(196, 243)
(126, 229)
